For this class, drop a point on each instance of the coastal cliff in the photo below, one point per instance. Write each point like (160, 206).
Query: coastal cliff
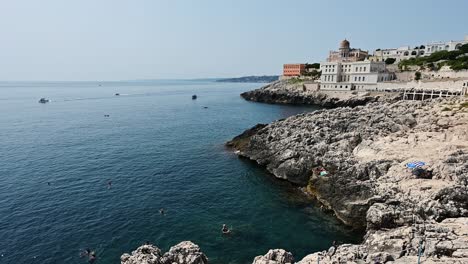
(185, 252)
(296, 92)
(363, 151)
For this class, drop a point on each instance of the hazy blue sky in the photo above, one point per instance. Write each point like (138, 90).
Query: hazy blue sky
(145, 39)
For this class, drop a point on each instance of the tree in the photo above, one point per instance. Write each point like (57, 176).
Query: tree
(390, 60)
(417, 76)
(312, 66)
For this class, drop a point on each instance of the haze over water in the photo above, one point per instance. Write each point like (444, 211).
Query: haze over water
(160, 149)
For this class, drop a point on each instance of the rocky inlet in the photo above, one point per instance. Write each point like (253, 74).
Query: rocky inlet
(363, 151)
(352, 160)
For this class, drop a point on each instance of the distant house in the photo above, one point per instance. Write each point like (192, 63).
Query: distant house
(296, 69)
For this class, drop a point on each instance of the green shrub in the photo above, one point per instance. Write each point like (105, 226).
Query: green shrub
(390, 60)
(417, 76)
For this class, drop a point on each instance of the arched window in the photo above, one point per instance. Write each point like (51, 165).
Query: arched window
(406, 53)
(421, 52)
(414, 53)
(446, 47)
(359, 78)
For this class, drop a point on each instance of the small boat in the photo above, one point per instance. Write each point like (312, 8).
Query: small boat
(43, 100)
(116, 94)
(194, 97)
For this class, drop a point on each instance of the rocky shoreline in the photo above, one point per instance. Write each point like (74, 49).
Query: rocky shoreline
(289, 92)
(364, 151)
(185, 252)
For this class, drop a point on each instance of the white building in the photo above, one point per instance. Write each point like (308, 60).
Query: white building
(401, 53)
(448, 45)
(359, 75)
(406, 52)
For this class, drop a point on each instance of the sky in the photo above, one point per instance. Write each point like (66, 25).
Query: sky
(98, 40)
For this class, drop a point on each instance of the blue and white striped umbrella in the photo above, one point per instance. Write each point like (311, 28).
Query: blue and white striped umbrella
(415, 164)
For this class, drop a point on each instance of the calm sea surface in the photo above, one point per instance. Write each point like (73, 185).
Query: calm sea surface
(160, 149)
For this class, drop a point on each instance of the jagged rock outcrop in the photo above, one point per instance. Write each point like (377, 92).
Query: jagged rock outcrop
(275, 256)
(363, 151)
(287, 92)
(185, 252)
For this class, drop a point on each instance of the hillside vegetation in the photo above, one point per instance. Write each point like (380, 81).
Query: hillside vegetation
(457, 60)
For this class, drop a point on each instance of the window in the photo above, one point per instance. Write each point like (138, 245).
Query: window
(363, 79)
(355, 78)
(364, 68)
(359, 78)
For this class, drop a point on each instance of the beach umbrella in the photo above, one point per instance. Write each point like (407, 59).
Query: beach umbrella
(415, 164)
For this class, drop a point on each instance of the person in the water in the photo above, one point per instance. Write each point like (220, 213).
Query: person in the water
(92, 257)
(85, 253)
(109, 184)
(225, 229)
(161, 211)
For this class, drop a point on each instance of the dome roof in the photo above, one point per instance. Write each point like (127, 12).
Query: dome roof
(344, 44)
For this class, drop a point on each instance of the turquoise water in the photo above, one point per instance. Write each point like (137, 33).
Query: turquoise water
(160, 149)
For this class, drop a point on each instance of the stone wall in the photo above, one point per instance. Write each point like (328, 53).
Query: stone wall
(455, 85)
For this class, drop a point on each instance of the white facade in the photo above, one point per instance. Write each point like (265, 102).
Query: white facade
(398, 54)
(407, 52)
(448, 45)
(360, 75)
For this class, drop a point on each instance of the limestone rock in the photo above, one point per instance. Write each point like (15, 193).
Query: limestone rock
(146, 254)
(275, 256)
(363, 151)
(185, 252)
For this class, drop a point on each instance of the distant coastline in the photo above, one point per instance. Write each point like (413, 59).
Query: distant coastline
(251, 79)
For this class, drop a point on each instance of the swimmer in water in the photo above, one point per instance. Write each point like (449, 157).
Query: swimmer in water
(109, 184)
(161, 211)
(225, 229)
(85, 253)
(92, 257)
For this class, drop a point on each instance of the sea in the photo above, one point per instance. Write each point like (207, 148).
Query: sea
(92, 169)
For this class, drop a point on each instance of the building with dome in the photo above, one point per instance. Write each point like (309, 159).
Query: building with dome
(347, 54)
(349, 69)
